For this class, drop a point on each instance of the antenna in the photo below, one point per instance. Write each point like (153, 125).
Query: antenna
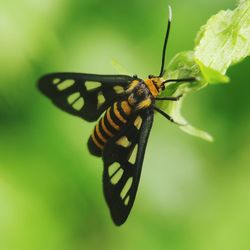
(166, 41)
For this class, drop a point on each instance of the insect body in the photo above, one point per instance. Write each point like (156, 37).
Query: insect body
(138, 96)
(120, 136)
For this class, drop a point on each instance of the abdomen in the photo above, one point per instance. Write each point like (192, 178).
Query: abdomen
(108, 126)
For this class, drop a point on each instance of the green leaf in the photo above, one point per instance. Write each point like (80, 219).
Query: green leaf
(197, 132)
(183, 65)
(223, 41)
(210, 75)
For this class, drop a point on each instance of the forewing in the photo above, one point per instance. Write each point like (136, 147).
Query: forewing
(123, 157)
(83, 95)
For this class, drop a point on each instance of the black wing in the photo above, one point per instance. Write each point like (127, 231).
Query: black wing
(83, 95)
(123, 157)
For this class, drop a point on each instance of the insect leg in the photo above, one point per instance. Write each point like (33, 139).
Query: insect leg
(168, 117)
(172, 98)
(190, 79)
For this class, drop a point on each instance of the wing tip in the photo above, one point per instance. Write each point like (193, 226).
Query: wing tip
(118, 220)
(41, 83)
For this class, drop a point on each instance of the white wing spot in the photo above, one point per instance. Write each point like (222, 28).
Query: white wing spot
(118, 175)
(56, 80)
(126, 187)
(65, 84)
(138, 122)
(133, 155)
(124, 142)
(113, 167)
(126, 200)
(78, 104)
(118, 89)
(101, 99)
(73, 97)
(92, 85)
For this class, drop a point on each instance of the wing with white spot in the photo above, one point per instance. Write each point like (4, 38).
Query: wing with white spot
(123, 157)
(83, 95)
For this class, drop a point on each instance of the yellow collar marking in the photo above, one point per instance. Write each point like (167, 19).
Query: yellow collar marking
(151, 87)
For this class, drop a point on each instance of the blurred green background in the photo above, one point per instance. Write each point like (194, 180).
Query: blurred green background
(193, 195)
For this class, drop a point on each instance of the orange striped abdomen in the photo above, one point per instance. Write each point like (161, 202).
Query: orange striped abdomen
(108, 126)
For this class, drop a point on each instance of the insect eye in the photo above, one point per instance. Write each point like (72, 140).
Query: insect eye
(163, 87)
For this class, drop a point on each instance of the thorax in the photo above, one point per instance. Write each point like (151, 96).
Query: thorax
(141, 94)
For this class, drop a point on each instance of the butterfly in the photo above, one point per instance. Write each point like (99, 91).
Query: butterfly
(124, 107)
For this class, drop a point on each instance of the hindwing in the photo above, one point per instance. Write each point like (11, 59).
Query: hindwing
(83, 95)
(123, 157)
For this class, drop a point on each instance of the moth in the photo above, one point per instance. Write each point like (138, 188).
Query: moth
(124, 107)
